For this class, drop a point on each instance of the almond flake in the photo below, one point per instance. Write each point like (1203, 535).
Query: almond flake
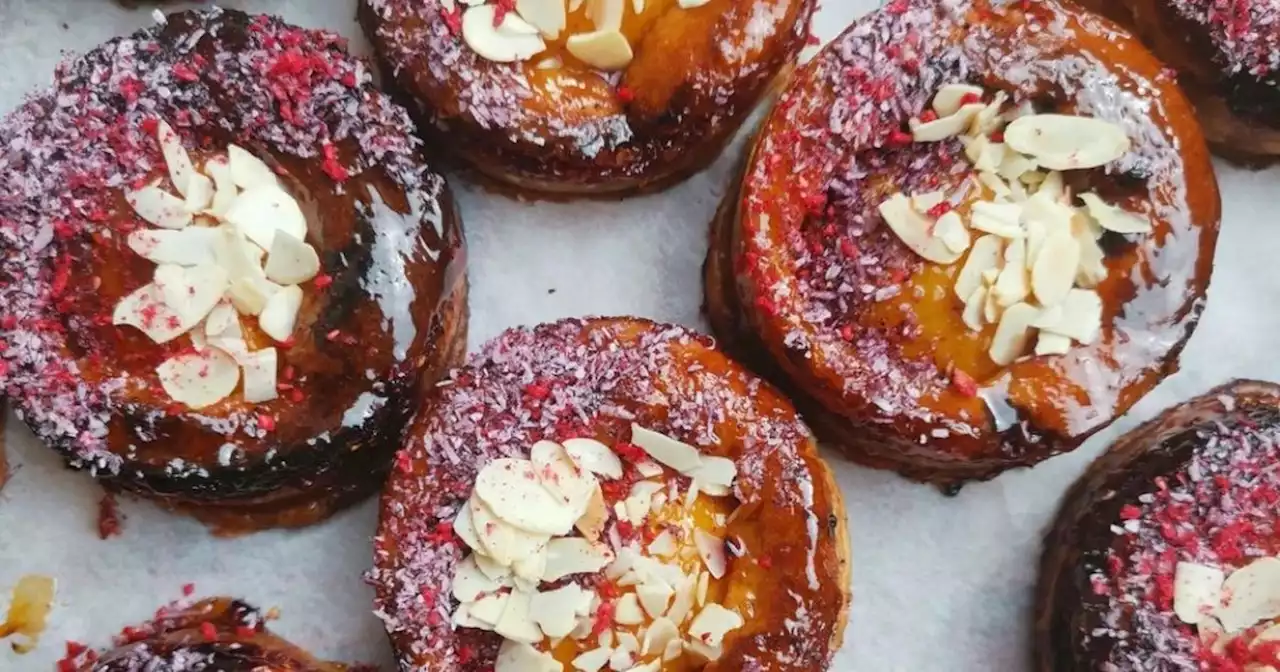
(594, 457)
(1253, 595)
(593, 519)
(199, 379)
(1054, 271)
(606, 50)
(674, 648)
(548, 16)
(191, 246)
(1000, 219)
(949, 98)
(531, 567)
(606, 14)
(915, 231)
(945, 128)
(1115, 219)
(691, 4)
(648, 468)
(985, 254)
(988, 119)
(685, 594)
(991, 308)
(462, 618)
(489, 609)
(1011, 285)
(1081, 316)
(628, 642)
(656, 665)
(291, 261)
(1013, 333)
(574, 555)
(246, 170)
(621, 660)
(224, 186)
(1197, 591)
(973, 309)
(502, 542)
(991, 181)
(560, 476)
(926, 201)
(1052, 344)
(711, 549)
(280, 313)
(655, 598)
(984, 154)
(514, 40)
(471, 584)
(664, 545)
(517, 623)
(512, 490)
(556, 611)
(259, 213)
(713, 623)
(1014, 166)
(593, 660)
(704, 581)
(191, 293)
(950, 229)
(175, 157)
(1065, 142)
(487, 565)
(159, 207)
(675, 454)
(661, 632)
(199, 193)
(1093, 266)
(627, 611)
(516, 656)
(259, 369)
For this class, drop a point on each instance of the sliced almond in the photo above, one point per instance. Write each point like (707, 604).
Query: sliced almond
(175, 157)
(915, 231)
(528, 570)
(1093, 266)
(555, 611)
(606, 50)
(655, 598)
(1197, 591)
(199, 379)
(675, 454)
(985, 254)
(513, 40)
(246, 170)
(249, 296)
(673, 650)
(606, 14)
(259, 368)
(704, 580)
(714, 471)
(1065, 142)
(627, 611)
(621, 660)
(159, 207)
(517, 622)
(1013, 333)
(640, 500)
(711, 549)
(501, 541)
(663, 545)
(191, 246)
(1252, 594)
(951, 230)
(593, 660)
(280, 313)
(945, 128)
(592, 521)
(951, 96)
(1081, 316)
(712, 624)
(199, 193)
(259, 213)
(660, 633)
(1052, 344)
(574, 555)
(291, 261)
(985, 155)
(691, 4)
(548, 16)
(1000, 219)
(224, 186)
(685, 594)
(1115, 219)
(470, 584)
(925, 202)
(512, 490)
(191, 292)
(1011, 285)
(973, 309)
(515, 656)
(1054, 271)
(648, 468)
(988, 119)
(466, 530)
(560, 476)
(998, 187)
(594, 457)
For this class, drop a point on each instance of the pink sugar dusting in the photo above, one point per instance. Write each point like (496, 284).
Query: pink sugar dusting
(1217, 509)
(70, 152)
(556, 382)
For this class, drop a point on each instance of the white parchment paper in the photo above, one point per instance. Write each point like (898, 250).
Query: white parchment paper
(939, 583)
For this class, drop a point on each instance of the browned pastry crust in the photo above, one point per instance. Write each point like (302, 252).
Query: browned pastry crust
(387, 314)
(571, 131)
(593, 378)
(1227, 55)
(1193, 485)
(220, 634)
(799, 257)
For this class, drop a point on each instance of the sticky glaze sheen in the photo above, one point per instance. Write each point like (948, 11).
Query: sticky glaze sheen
(382, 221)
(593, 378)
(812, 301)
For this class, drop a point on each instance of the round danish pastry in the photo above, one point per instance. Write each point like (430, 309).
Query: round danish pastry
(610, 493)
(970, 235)
(1227, 55)
(227, 269)
(573, 98)
(1164, 555)
(215, 634)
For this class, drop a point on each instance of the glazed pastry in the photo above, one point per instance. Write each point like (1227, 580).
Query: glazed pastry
(969, 236)
(1163, 556)
(610, 493)
(216, 634)
(227, 269)
(572, 98)
(1227, 55)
